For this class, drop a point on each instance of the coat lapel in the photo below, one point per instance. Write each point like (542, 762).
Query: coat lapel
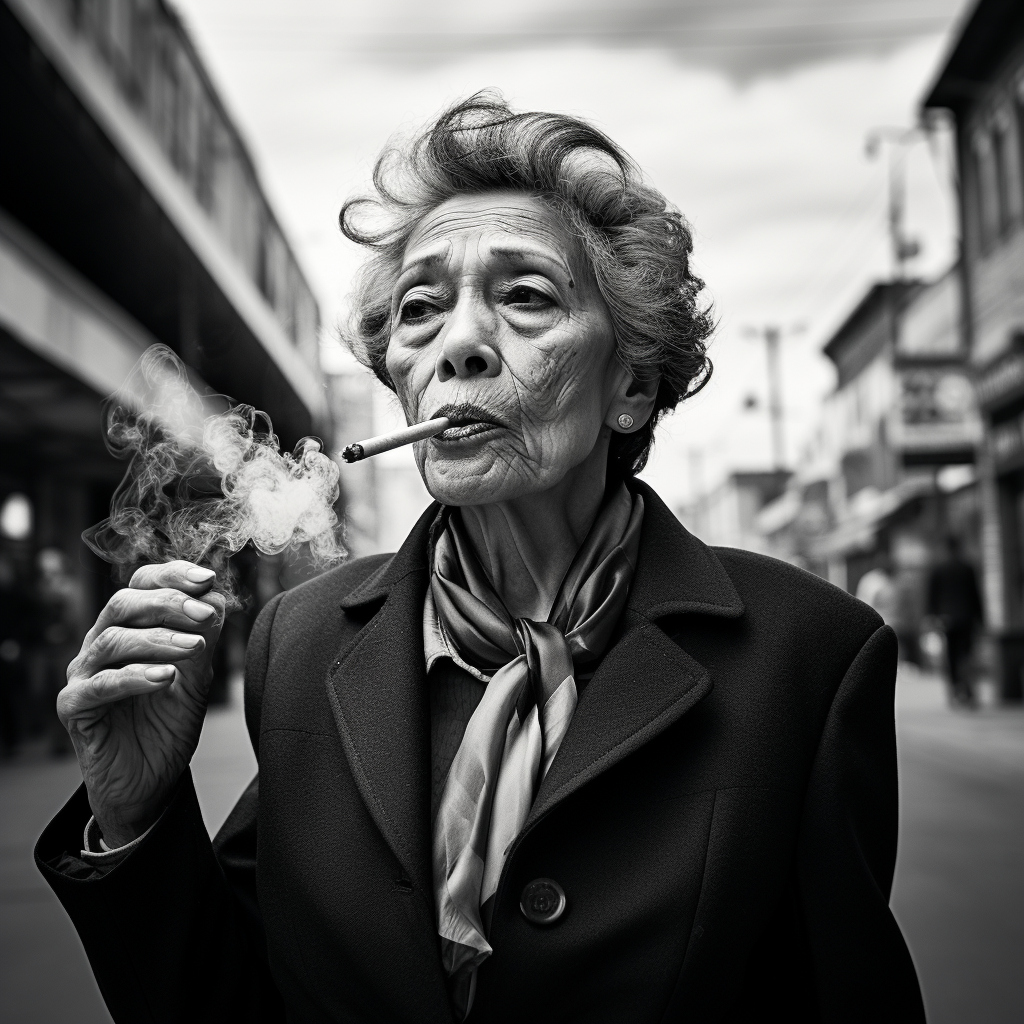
(378, 693)
(644, 684)
(646, 681)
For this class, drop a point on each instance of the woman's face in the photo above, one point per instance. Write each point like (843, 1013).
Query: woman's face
(497, 323)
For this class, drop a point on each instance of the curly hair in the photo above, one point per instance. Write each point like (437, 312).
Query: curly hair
(637, 244)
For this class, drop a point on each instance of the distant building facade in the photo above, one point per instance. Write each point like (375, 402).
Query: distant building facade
(726, 516)
(384, 495)
(982, 84)
(891, 471)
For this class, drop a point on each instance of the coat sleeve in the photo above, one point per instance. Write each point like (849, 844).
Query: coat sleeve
(847, 851)
(173, 931)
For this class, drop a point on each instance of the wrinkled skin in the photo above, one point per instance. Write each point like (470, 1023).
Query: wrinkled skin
(491, 308)
(136, 694)
(495, 308)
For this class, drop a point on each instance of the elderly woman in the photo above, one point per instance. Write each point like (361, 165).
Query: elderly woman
(556, 759)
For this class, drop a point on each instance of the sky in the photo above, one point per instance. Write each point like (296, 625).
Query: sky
(751, 116)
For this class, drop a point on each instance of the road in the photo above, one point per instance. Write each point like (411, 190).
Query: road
(958, 894)
(959, 887)
(44, 975)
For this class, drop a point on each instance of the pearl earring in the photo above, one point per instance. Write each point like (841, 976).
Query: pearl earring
(625, 421)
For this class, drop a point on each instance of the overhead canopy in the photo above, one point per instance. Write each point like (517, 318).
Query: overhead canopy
(85, 174)
(988, 32)
(858, 530)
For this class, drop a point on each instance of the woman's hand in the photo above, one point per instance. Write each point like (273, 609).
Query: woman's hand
(136, 694)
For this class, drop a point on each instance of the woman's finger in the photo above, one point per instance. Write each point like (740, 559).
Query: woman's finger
(117, 645)
(166, 607)
(83, 695)
(178, 575)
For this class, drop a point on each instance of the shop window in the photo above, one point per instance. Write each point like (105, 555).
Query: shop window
(1019, 112)
(985, 191)
(1001, 173)
(1016, 547)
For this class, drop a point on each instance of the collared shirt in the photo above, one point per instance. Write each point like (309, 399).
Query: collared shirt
(436, 643)
(455, 689)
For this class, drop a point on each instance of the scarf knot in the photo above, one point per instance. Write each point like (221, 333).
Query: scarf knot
(522, 718)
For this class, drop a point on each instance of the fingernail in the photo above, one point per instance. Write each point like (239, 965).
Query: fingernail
(185, 639)
(158, 673)
(198, 575)
(197, 610)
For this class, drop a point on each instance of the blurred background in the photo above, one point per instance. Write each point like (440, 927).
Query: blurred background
(854, 174)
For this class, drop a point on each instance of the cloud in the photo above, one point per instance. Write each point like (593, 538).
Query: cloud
(788, 213)
(744, 38)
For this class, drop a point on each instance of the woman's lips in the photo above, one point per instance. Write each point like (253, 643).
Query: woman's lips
(465, 430)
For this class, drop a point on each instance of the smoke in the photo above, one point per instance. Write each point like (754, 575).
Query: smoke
(200, 485)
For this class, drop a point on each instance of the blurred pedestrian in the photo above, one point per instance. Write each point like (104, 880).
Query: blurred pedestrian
(59, 611)
(13, 628)
(955, 601)
(892, 595)
(876, 589)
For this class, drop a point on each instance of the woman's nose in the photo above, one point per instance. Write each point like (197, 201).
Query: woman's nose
(467, 349)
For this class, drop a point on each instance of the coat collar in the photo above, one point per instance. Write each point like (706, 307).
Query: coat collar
(646, 681)
(378, 691)
(410, 559)
(676, 573)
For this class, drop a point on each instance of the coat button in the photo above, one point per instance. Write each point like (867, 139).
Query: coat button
(543, 901)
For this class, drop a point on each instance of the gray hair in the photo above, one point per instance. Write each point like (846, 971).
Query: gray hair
(637, 244)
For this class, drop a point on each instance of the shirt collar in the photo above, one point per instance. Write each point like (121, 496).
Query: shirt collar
(436, 644)
(676, 573)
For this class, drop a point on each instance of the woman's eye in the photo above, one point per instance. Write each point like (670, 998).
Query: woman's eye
(524, 295)
(416, 310)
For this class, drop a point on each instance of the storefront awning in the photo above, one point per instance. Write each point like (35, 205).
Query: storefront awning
(869, 510)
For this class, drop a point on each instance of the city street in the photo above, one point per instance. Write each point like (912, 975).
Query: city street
(44, 975)
(221, 224)
(959, 890)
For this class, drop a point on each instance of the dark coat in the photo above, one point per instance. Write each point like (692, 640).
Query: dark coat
(953, 594)
(721, 816)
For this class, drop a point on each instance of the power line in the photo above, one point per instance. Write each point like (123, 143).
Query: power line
(661, 39)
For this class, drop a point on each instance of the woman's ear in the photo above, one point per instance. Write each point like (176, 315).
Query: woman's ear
(632, 404)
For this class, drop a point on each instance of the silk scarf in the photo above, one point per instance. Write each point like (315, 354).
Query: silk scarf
(516, 730)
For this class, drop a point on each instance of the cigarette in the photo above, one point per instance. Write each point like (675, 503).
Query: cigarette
(385, 442)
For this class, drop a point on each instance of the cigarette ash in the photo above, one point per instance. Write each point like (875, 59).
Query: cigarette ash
(202, 485)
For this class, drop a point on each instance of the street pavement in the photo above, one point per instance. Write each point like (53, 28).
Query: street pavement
(959, 887)
(958, 894)
(44, 974)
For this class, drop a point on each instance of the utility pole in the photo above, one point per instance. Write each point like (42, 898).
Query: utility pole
(772, 335)
(899, 140)
(775, 413)
(696, 467)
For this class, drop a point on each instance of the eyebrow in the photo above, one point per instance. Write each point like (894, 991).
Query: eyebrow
(513, 252)
(430, 260)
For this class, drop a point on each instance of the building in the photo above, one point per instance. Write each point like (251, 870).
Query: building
(891, 471)
(726, 516)
(130, 213)
(791, 526)
(981, 83)
(385, 495)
